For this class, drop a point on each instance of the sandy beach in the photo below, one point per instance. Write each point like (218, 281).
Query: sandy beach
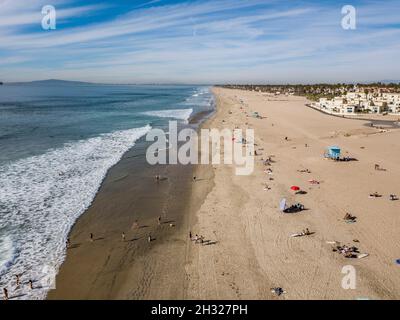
(250, 249)
(255, 251)
(170, 154)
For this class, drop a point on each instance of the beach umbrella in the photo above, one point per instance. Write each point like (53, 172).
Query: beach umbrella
(295, 188)
(282, 204)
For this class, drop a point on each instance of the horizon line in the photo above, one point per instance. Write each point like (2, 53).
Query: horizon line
(386, 82)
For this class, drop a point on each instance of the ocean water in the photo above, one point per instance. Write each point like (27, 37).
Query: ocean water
(57, 143)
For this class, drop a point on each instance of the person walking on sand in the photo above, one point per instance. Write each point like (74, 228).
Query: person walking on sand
(136, 224)
(190, 235)
(123, 236)
(91, 237)
(5, 293)
(159, 220)
(68, 243)
(149, 238)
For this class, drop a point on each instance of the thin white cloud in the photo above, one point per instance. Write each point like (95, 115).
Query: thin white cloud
(232, 38)
(35, 17)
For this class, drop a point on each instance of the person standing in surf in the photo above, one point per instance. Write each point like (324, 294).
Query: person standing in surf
(5, 293)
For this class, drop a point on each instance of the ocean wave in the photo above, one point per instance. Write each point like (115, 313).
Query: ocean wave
(180, 114)
(42, 196)
(202, 97)
(7, 253)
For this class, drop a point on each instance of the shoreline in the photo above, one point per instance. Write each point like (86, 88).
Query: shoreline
(250, 249)
(109, 268)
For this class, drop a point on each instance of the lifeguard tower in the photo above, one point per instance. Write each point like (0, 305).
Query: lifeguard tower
(333, 152)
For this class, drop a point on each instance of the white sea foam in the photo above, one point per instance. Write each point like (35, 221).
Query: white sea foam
(180, 114)
(201, 98)
(7, 253)
(40, 199)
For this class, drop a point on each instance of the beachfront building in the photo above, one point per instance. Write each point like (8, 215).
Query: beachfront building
(337, 105)
(393, 102)
(360, 102)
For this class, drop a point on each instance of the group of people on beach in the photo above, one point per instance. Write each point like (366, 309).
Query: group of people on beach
(123, 235)
(17, 285)
(392, 197)
(196, 238)
(349, 218)
(306, 232)
(347, 251)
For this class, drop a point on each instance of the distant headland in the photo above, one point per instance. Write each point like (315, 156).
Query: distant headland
(51, 82)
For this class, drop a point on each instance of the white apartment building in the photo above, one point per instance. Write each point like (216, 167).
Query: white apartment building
(360, 102)
(393, 102)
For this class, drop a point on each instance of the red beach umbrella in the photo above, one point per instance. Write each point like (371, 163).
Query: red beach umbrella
(295, 188)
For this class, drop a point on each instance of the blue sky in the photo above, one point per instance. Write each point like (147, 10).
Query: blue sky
(218, 41)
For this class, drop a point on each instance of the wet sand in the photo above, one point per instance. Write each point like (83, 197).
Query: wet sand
(109, 268)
